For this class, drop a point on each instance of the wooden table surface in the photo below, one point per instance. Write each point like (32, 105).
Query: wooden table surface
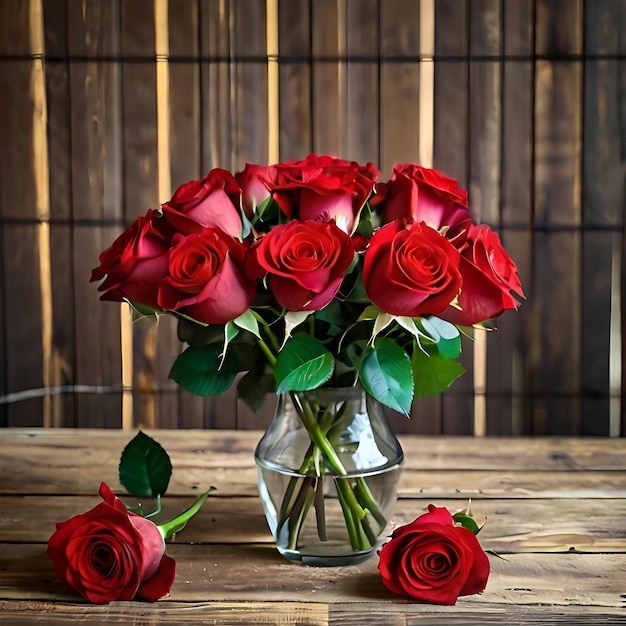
(556, 513)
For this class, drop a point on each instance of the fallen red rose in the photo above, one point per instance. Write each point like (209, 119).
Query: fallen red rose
(434, 561)
(109, 554)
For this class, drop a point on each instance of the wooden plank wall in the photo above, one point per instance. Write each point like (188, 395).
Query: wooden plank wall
(106, 106)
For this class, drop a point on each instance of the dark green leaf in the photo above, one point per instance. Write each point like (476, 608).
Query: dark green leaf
(303, 364)
(467, 522)
(385, 373)
(196, 370)
(433, 374)
(254, 387)
(145, 468)
(199, 335)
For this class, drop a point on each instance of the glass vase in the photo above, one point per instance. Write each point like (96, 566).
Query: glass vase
(328, 470)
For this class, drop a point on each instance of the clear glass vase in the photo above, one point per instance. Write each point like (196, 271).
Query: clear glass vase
(328, 470)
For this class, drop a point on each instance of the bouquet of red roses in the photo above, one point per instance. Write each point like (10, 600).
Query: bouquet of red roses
(311, 273)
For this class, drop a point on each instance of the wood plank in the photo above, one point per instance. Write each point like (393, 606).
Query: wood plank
(216, 88)
(556, 323)
(58, 105)
(141, 192)
(235, 448)
(230, 573)
(513, 526)
(603, 202)
(399, 84)
(192, 614)
(362, 89)
(311, 614)
(250, 84)
(294, 44)
(507, 352)
(96, 197)
(451, 156)
(20, 133)
(328, 29)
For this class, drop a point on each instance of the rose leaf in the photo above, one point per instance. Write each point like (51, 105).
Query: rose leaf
(433, 374)
(197, 370)
(304, 363)
(145, 468)
(444, 334)
(385, 373)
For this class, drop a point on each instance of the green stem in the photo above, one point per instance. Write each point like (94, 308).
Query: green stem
(174, 526)
(269, 355)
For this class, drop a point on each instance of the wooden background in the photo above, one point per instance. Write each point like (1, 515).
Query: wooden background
(107, 105)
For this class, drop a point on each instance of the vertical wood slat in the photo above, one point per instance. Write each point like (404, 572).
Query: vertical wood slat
(451, 156)
(96, 196)
(362, 88)
(250, 138)
(328, 77)
(21, 279)
(603, 205)
(557, 293)
(294, 40)
(399, 84)
(508, 410)
(60, 180)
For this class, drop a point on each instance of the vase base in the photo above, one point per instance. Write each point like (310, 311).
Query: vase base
(327, 560)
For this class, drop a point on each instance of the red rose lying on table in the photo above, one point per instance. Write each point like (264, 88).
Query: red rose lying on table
(434, 560)
(109, 554)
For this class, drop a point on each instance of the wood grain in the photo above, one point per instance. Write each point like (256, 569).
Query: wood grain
(561, 541)
(528, 114)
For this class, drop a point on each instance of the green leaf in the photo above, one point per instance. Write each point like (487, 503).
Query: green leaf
(254, 387)
(370, 312)
(444, 334)
(145, 468)
(433, 374)
(196, 334)
(303, 364)
(141, 310)
(467, 522)
(247, 321)
(197, 371)
(385, 374)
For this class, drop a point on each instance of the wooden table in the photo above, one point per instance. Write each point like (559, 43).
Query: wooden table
(556, 509)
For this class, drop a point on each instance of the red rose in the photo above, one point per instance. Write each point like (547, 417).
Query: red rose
(410, 269)
(433, 560)
(369, 170)
(322, 189)
(205, 277)
(425, 195)
(136, 262)
(211, 202)
(489, 278)
(254, 181)
(305, 261)
(110, 554)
